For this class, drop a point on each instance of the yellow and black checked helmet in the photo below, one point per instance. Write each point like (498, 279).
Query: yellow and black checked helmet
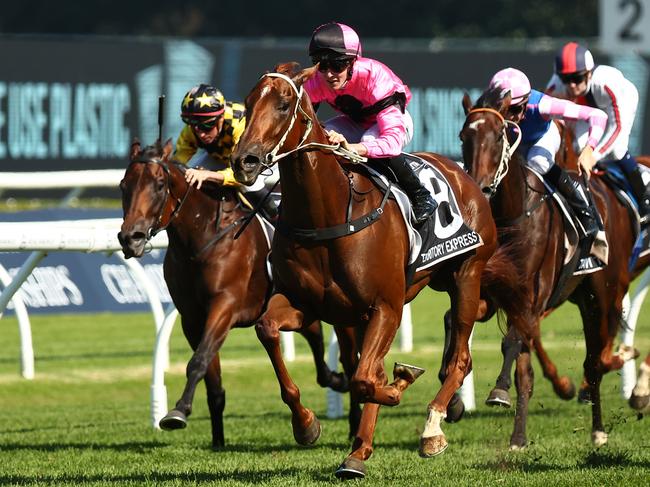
(203, 105)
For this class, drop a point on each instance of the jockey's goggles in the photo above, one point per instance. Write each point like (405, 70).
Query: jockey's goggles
(203, 124)
(334, 65)
(576, 78)
(519, 108)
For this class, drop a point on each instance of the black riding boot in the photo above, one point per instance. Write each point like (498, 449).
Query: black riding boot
(424, 205)
(574, 193)
(641, 192)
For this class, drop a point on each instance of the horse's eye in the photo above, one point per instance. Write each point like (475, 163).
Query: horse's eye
(122, 184)
(160, 184)
(284, 106)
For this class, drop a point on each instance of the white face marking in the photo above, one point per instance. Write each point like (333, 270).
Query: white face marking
(264, 91)
(473, 125)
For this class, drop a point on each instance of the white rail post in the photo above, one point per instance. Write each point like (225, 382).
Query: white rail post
(406, 330)
(334, 399)
(631, 310)
(160, 362)
(24, 329)
(288, 346)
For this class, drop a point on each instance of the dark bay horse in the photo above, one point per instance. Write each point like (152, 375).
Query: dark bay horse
(216, 282)
(522, 210)
(351, 279)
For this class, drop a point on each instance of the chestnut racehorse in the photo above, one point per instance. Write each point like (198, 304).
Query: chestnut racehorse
(351, 279)
(522, 209)
(216, 282)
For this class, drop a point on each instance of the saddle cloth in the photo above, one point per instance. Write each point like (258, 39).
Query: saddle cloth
(443, 236)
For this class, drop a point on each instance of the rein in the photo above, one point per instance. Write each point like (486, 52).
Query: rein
(507, 149)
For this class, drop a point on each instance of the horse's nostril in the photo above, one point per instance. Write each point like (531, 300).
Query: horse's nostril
(250, 161)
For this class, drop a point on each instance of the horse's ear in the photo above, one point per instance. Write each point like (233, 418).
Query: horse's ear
(135, 149)
(304, 75)
(467, 103)
(167, 149)
(505, 103)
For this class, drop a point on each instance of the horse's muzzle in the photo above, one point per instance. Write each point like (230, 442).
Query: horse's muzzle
(247, 167)
(132, 243)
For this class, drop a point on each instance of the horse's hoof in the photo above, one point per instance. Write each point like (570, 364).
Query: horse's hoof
(338, 382)
(566, 389)
(174, 420)
(598, 438)
(584, 396)
(351, 468)
(499, 397)
(455, 409)
(640, 403)
(310, 435)
(432, 446)
(409, 373)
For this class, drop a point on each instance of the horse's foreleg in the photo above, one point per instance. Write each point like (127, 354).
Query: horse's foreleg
(524, 379)
(353, 466)
(369, 381)
(510, 349)
(324, 376)
(464, 308)
(216, 401)
(281, 316)
(217, 326)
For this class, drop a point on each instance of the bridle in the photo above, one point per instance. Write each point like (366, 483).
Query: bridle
(159, 226)
(507, 149)
(273, 156)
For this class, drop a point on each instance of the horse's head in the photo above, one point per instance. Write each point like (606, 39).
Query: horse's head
(145, 191)
(277, 121)
(486, 148)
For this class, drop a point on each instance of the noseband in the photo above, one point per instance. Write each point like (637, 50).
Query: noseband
(273, 156)
(507, 149)
(159, 227)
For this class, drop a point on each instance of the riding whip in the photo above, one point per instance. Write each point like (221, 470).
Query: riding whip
(161, 106)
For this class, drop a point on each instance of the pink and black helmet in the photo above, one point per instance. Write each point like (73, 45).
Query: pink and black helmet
(573, 58)
(334, 39)
(514, 81)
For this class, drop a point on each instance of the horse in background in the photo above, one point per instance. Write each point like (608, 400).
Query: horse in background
(341, 253)
(522, 208)
(216, 282)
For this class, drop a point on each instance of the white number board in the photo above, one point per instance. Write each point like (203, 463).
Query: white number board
(624, 25)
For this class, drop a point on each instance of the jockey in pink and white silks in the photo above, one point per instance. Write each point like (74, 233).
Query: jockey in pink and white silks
(540, 141)
(372, 101)
(577, 78)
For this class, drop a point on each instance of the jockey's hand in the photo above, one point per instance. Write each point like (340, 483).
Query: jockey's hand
(196, 177)
(336, 138)
(586, 161)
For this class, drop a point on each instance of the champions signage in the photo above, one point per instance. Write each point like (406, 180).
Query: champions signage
(70, 282)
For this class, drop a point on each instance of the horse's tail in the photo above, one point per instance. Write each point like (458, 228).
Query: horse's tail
(502, 281)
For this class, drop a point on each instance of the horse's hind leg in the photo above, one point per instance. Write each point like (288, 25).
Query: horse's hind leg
(281, 316)
(640, 398)
(216, 401)
(324, 376)
(524, 378)
(563, 386)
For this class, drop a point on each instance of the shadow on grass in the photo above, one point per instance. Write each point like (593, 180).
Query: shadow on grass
(130, 446)
(182, 478)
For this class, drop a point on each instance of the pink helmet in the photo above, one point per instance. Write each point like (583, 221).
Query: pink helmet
(514, 81)
(335, 38)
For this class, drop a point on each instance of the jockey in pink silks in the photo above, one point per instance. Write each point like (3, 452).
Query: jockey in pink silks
(540, 138)
(372, 101)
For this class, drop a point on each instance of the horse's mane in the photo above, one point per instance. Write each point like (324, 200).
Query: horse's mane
(491, 98)
(290, 68)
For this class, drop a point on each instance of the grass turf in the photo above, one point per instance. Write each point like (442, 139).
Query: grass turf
(84, 419)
